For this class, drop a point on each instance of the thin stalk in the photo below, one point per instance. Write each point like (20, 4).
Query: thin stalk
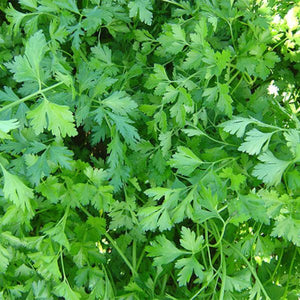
(231, 33)
(115, 245)
(134, 254)
(237, 85)
(233, 77)
(174, 3)
(140, 259)
(13, 104)
(204, 287)
(220, 237)
(289, 276)
(211, 138)
(277, 266)
(279, 43)
(215, 231)
(252, 270)
(164, 284)
(223, 279)
(207, 246)
(62, 264)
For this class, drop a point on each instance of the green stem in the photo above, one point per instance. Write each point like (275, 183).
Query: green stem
(231, 33)
(174, 3)
(62, 264)
(216, 234)
(220, 237)
(108, 123)
(289, 276)
(204, 286)
(115, 245)
(233, 77)
(134, 254)
(282, 41)
(140, 259)
(207, 247)
(277, 266)
(237, 85)
(211, 138)
(15, 103)
(223, 279)
(259, 123)
(164, 283)
(252, 270)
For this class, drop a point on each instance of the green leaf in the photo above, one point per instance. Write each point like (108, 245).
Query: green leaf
(173, 39)
(102, 53)
(268, 62)
(97, 176)
(239, 281)
(67, 4)
(193, 132)
(178, 111)
(222, 59)
(236, 126)
(255, 207)
(16, 191)
(41, 290)
(188, 266)
(189, 241)
(159, 80)
(225, 100)
(142, 8)
(155, 217)
(163, 251)
(165, 142)
(98, 223)
(211, 95)
(120, 103)
(37, 167)
(185, 161)
(75, 32)
(293, 142)
(8, 95)
(61, 156)
(46, 265)
(170, 95)
(293, 179)
(9, 125)
(249, 206)
(271, 170)
(27, 67)
(15, 18)
(5, 258)
(193, 60)
(58, 235)
(255, 140)
(288, 228)
(158, 192)
(236, 180)
(54, 117)
(124, 127)
(96, 17)
(64, 290)
(6, 126)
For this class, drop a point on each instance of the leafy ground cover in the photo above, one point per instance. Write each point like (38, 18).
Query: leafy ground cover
(149, 149)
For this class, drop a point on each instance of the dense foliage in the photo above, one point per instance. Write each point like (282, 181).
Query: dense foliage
(150, 149)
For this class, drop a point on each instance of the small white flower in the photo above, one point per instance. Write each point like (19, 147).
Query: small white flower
(273, 89)
(277, 19)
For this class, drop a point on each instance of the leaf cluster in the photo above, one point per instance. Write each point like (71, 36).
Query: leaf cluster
(149, 149)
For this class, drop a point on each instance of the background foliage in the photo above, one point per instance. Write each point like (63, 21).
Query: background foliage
(149, 149)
